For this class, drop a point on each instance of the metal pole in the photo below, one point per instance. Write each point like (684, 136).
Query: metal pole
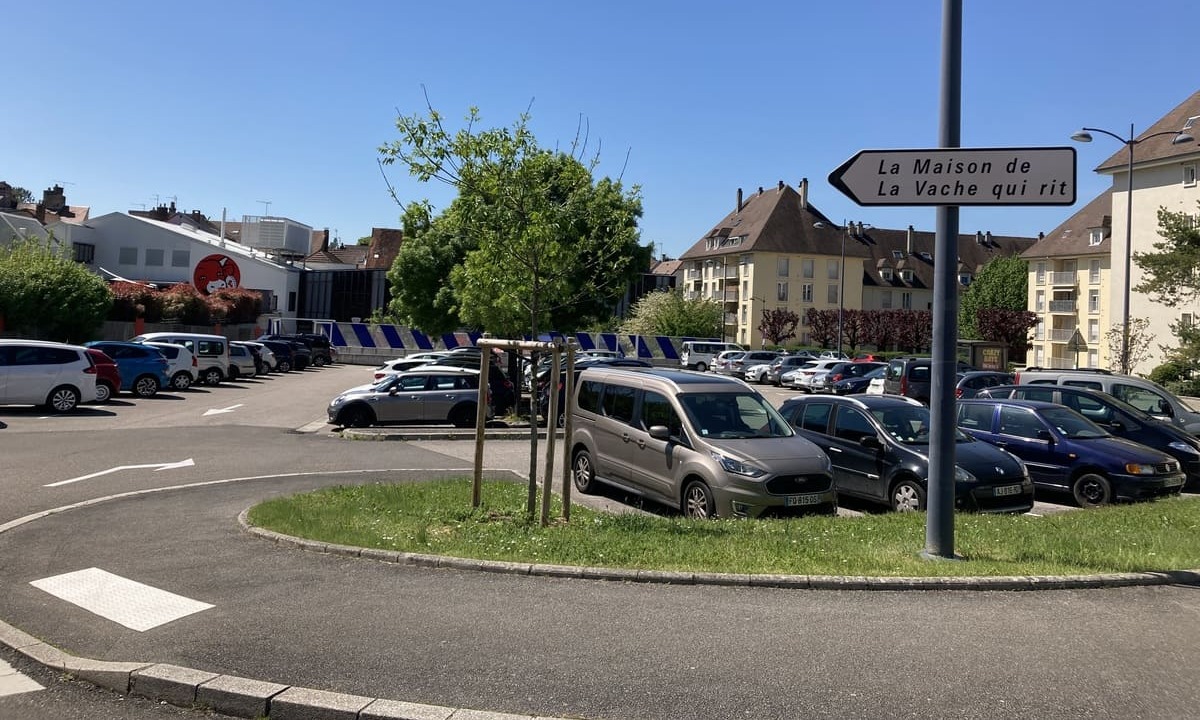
(939, 520)
(1128, 256)
(842, 286)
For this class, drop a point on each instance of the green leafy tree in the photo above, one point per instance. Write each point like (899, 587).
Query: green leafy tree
(422, 295)
(1002, 284)
(45, 294)
(668, 312)
(1171, 274)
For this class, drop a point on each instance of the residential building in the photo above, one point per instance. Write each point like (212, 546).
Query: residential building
(777, 251)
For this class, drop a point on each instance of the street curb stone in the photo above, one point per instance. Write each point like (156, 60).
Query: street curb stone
(297, 703)
(238, 696)
(172, 683)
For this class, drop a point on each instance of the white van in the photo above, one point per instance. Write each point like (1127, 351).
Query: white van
(699, 354)
(211, 351)
(34, 372)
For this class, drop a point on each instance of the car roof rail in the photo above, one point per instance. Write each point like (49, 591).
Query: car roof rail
(1097, 371)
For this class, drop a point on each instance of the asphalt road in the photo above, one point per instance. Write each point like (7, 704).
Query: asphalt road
(576, 648)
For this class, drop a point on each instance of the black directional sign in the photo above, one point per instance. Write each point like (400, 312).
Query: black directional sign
(959, 176)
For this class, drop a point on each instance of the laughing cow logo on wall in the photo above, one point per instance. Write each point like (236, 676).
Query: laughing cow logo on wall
(216, 272)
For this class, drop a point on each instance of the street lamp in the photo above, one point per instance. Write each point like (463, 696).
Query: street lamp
(1085, 135)
(845, 228)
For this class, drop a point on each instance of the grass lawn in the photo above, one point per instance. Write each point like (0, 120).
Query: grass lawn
(437, 518)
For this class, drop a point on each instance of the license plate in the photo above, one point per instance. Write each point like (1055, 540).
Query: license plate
(1008, 490)
(796, 500)
(1173, 481)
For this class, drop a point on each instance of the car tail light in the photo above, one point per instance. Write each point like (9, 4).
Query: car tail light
(194, 362)
(903, 385)
(957, 392)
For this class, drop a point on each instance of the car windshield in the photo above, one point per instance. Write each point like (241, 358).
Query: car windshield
(730, 416)
(1071, 424)
(909, 424)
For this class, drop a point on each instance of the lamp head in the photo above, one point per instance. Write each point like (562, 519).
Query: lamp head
(1182, 139)
(1082, 136)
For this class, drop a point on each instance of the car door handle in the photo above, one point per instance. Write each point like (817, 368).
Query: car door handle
(641, 443)
(834, 449)
(625, 437)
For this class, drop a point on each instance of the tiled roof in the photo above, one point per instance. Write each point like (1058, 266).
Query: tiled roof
(351, 254)
(883, 246)
(665, 267)
(1160, 148)
(1072, 237)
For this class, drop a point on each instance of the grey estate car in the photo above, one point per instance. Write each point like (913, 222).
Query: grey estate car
(708, 445)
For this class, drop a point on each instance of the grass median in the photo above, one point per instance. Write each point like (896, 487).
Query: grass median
(437, 518)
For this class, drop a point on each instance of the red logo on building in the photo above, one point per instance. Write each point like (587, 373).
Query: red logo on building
(216, 272)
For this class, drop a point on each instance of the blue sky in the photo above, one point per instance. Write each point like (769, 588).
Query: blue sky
(231, 105)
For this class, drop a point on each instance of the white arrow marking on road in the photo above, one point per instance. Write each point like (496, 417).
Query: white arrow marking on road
(218, 411)
(157, 466)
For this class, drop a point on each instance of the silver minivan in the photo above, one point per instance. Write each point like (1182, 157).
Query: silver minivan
(708, 445)
(1145, 395)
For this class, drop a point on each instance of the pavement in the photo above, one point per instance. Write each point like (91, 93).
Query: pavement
(251, 697)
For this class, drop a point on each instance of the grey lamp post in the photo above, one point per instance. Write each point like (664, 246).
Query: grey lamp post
(1085, 135)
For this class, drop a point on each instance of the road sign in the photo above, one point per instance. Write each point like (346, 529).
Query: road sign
(1076, 343)
(960, 176)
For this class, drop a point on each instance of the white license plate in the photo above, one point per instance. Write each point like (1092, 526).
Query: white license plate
(1008, 490)
(1173, 481)
(795, 500)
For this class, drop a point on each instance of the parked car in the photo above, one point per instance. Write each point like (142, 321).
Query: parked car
(1143, 394)
(211, 351)
(757, 373)
(785, 364)
(263, 356)
(255, 350)
(143, 367)
(561, 385)
(842, 371)
(35, 372)
(913, 377)
(396, 365)
(425, 395)
(241, 361)
(802, 377)
(699, 354)
(182, 366)
(879, 448)
(1118, 417)
(722, 364)
(748, 359)
(708, 445)
(1065, 451)
(858, 385)
(284, 352)
(108, 375)
(971, 383)
(320, 350)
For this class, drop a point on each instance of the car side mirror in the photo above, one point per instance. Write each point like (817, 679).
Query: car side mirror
(660, 432)
(871, 442)
(394, 390)
(1045, 435)
(1117, 425)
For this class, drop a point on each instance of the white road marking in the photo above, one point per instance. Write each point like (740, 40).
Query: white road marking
(13, 682)
(312, 427)
(157, 467)
(126, 602)
(218, 411)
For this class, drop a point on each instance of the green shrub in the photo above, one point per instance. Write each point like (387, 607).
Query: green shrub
(1168, 373)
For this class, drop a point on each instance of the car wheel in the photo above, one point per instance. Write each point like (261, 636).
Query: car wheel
(908, 496)
(145, 386)
(283, 366)
(234, 372)
(1092, 490)
(701, 367)
(698, 501)
(583, 473)
(181, 380)
(356, 416)
(63, 399)
(212, 376)
(104, 392)
(463, 416)
(319, 361)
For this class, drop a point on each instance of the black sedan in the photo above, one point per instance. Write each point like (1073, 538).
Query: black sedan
(857, 385)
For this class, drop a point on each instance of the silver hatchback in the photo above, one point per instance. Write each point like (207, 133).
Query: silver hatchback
(431, 394)
(708, 445)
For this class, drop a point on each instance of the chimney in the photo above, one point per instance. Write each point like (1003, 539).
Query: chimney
(978, 238)
(172, 207)
(987, 238)
(780, 186)
(739, 198)
(1041, 236)
(909, 241)
(860, 229)
(760, 190)
(803, 193)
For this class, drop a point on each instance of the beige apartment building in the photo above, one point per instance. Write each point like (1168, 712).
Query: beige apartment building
(1077, 271)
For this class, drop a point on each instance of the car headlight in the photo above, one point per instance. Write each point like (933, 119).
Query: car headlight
(738, 467)
(1020, 464)
(1183, 447)
(962, 476)
(1139, 469)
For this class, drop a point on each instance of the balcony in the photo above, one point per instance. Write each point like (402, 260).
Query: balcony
(1058, 363)
(731, 272)
(1062, 306)
(1061, 335)
(1063, 278)
(731, 295)
(731, 319)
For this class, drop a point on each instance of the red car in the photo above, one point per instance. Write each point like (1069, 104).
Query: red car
(108, 376)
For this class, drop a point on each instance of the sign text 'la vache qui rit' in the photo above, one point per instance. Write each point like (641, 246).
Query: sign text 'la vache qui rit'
(959, 176)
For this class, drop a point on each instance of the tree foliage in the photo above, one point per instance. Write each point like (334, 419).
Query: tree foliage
(778, 325)
(1171, 274)
(668, 312)
(1002, 284)
(535, 239)
(1010, 327)
(45, 294)
(822, 326)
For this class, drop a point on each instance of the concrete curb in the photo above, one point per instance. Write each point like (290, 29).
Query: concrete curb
(439, 433)
(803, 582)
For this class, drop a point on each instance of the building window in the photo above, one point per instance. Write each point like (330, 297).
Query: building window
(1039, 301)
(1093, 358)
(1041, 273)
(1094, 272)
(833, 269)
(744, 315)
(906, 300)
(84, 253)
(1093, 302)
(807, 293)
(1189, 175)
(1095, 237)
(782, 266)
(180, 258)
(781, 292)
(886, 274)
(1039, 333)
(154, 257)
(1186, 320)
(906, 275)
(127, 256)
(806, 267)
(964, 279)
(292, 301)
(885, 299)
(832, 296)
(1093, 331)
(898, 254)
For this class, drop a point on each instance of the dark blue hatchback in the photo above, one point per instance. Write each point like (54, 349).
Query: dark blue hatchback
(143, 368)
(1063, 450)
